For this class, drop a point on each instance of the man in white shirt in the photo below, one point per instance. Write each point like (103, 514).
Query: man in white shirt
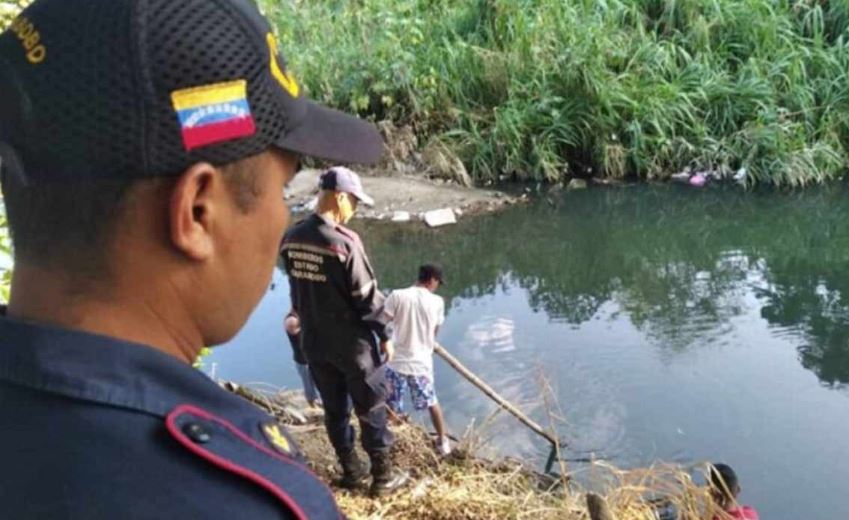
(416, 314)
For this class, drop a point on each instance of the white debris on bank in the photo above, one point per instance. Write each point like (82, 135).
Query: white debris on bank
(404, 199)
(440, 217)
(700, 178)
(401, 216)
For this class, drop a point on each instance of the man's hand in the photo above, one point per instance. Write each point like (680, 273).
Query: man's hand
(388, 350)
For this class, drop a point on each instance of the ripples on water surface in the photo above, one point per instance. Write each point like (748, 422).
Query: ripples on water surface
(673, 324)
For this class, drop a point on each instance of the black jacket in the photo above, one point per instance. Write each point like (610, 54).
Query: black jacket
(334, 290)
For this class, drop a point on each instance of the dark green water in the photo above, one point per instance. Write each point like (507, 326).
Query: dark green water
(674, 324)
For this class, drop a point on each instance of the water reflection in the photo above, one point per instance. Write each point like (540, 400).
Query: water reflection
(814, 305)
(677, 265)
(491, 334)
(672, 324)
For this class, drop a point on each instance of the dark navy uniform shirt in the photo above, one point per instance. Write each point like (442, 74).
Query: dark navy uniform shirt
(96, 428)
(334, 290)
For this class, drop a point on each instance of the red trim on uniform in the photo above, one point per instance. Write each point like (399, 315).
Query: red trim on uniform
(221, 462)
(348, 233)
(199, 136)
(339, 250)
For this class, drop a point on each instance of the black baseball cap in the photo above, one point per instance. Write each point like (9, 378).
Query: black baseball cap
(143, 88)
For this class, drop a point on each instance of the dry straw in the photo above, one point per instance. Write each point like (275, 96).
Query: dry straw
(467, 486)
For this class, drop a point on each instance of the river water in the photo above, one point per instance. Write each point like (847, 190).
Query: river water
(672, 324)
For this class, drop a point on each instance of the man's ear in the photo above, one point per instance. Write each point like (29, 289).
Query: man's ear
(192, 211)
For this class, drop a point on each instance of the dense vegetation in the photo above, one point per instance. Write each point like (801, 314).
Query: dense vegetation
(5, 259)
(8, 10)
(546, 89)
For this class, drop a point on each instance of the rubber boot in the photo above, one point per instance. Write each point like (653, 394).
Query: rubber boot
(354, 471)
(385, 479)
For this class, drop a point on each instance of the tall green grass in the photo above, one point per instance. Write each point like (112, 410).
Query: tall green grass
(547, 89)
(9, 9)
(6, 262)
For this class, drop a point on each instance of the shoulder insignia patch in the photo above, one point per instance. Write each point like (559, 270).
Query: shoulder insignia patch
(276, 438)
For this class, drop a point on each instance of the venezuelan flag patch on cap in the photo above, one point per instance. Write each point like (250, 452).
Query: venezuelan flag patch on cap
(213, 114)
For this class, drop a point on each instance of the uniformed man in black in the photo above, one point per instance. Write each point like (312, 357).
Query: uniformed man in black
(145, 148)
(335, 293)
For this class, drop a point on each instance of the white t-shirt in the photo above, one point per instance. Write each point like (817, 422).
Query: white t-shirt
(416, 313)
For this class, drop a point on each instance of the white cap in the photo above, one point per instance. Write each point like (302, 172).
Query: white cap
(342, 179)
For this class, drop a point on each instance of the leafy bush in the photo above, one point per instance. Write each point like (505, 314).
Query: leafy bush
(5, 259)
(8, 11)
(546, 89)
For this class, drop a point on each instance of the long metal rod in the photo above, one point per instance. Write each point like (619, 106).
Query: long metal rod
(492, 394)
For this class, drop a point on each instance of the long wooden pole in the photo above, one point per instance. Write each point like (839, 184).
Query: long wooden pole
(492, 394)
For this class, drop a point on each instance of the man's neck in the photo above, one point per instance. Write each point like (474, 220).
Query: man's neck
(43, 296)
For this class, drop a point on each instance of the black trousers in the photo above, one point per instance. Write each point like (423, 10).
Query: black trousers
(354, 377)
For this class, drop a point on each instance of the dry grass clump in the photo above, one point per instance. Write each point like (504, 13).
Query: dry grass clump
(659, 491)
(465, 486)
(461, 487)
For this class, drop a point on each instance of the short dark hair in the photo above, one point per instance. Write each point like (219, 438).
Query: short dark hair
(63, 223)
(429, 272)
(67, 224)
(723, 479)
(243, 182)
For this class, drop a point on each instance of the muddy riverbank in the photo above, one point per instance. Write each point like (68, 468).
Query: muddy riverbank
(406, 198)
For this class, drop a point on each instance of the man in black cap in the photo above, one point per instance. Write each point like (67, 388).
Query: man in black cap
(334, 292)
(145, 147)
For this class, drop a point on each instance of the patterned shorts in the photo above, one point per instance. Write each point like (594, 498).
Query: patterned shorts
(422, 392)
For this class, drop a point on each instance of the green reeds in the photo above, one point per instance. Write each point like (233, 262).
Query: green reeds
(9, 9)
(547, 89)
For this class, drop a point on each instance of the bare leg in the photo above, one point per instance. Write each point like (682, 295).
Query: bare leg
(438, 421)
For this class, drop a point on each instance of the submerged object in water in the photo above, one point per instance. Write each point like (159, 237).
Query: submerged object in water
(698, 180)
